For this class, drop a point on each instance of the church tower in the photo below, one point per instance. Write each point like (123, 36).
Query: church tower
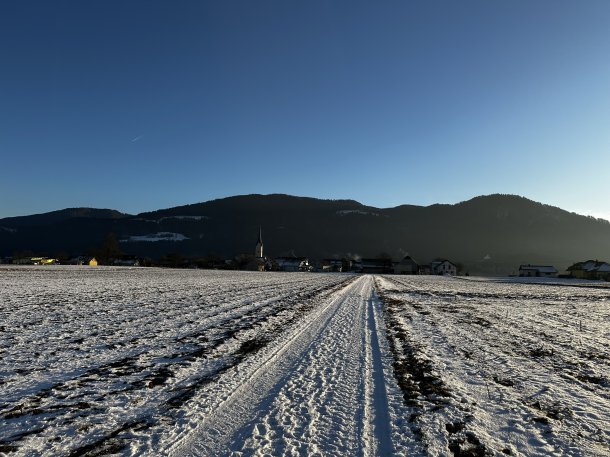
(258, 250)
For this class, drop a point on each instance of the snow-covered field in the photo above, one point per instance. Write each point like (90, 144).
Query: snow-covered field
(500, 367)
(134, 361)
(106, 358)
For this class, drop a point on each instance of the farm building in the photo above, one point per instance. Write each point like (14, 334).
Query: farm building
(538, 271)
(443, 267)
(406, 266)
(591, 269)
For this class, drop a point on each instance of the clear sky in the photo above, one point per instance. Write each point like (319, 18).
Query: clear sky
(140, 105)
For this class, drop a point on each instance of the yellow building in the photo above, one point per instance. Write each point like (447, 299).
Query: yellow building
(92, 262)
(43, 261)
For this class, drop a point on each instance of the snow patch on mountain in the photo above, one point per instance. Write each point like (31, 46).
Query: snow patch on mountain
(176, 218)
(183, 218)
(154, 237)
(344, 212)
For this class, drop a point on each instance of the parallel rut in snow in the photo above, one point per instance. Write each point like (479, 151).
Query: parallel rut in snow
(328, 390)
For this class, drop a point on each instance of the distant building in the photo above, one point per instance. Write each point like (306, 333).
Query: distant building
(590, 269)
(537, 271)
(49, 262)
(407, 266)
(293, 264)
(331, 265)
(127, 261)
(443, 267)
(35, 261)
(258, 250)
(377, 266)
(80, 260)
(347, 265)
(260, 262)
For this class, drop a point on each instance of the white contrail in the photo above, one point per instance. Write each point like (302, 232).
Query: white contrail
(136, 138)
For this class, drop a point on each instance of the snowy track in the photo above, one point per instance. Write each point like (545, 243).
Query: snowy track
(322, 391)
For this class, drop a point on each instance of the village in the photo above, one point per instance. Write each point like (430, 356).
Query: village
(382, 264)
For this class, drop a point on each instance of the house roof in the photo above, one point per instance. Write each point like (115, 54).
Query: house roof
(540, 268)
(440, 262)
(591, 266)
(408, 259)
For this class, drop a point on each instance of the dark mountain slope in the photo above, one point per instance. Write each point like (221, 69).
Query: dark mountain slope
(61, 215)
(490, 234)
(254, 203)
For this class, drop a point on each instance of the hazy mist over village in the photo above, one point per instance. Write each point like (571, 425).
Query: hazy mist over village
(304, 229)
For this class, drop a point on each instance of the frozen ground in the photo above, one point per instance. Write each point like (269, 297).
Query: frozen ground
(98, 361)
(495, 367)
(569, 282)
(109, 359)
(324, 389)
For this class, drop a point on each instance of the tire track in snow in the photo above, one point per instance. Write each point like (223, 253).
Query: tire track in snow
(324, 392)
(234, 408)
(378, 438)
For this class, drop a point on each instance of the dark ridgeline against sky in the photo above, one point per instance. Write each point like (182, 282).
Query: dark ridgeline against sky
(147, 104)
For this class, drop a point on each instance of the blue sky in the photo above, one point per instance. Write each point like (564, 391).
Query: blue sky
(142, 105)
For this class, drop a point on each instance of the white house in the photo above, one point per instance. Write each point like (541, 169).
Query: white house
(443, 267)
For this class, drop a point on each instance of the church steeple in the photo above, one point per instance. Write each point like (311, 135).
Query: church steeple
(258, 250)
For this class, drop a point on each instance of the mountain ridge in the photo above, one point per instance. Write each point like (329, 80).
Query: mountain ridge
(93, 212)
(490, 234)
